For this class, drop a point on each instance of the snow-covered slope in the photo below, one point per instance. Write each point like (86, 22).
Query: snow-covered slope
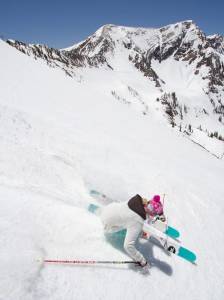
(141, 61)
(61, 136)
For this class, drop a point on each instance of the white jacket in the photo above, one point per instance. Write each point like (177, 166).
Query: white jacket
(118, 216)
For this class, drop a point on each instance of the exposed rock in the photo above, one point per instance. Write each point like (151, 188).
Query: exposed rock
(182, 42)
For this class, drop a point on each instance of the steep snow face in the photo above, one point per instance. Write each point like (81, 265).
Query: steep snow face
(141, 40)
(60, 137)
(174, 71)
(192, 97)
(145, 38)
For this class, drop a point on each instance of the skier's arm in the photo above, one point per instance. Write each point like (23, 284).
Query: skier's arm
(132, 235)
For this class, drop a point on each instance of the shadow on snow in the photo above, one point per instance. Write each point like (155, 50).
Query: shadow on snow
(116, 239)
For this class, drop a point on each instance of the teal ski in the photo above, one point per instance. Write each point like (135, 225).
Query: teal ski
(169, 245)
(187, 254)
(93, 208)
(180, 251)
(172, 232)
(149, 230)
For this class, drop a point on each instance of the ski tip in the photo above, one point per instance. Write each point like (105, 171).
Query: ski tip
(187, 254)
(95, 209)
(94, 192)
(92, 208)
(172, 232)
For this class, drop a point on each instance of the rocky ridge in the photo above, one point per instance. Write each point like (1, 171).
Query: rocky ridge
(202, 56)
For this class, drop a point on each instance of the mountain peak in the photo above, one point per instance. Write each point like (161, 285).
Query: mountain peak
(176, 60)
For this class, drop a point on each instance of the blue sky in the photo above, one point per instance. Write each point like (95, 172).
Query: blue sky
(62, 23)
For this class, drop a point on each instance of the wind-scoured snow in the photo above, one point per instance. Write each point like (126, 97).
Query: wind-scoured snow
(59, 138)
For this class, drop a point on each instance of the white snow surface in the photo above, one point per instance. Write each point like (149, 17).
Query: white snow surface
(59, 138)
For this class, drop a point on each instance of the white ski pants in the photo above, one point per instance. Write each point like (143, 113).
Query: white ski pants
(118, 216)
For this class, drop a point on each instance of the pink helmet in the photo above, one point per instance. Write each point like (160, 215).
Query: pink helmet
(155, 207)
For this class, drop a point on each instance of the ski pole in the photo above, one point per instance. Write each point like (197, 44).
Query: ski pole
(164, 199)
(91, 262)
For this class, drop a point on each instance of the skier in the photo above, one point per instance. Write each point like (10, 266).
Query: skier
(131, 216)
